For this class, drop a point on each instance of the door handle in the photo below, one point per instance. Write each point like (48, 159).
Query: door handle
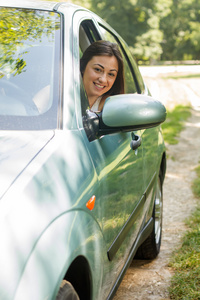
(136, 141)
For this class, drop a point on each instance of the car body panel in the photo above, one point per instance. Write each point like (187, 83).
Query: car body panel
(54, 192)
(17, 151)
(118, 195)
(46, 287)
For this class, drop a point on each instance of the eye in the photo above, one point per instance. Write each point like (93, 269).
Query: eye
(111, 74)
(98, 70)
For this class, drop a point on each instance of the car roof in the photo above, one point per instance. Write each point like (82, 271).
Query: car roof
(35, 4)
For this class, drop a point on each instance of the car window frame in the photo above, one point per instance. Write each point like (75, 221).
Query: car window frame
(82, 109)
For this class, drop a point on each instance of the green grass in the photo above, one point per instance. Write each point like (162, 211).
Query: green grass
(196, 183)
(174, 123)
(178, 76)
(185, 283)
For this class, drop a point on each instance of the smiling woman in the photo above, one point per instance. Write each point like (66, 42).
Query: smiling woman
(103, 73)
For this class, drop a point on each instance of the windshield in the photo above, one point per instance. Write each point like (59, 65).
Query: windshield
(29, 69)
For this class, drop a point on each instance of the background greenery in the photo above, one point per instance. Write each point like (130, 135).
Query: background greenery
(155, 30)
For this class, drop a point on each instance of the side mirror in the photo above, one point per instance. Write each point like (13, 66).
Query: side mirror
(130, 112)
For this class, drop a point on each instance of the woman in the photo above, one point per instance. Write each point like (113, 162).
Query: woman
(103, 72)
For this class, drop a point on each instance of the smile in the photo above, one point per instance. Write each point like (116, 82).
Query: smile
(99, 86)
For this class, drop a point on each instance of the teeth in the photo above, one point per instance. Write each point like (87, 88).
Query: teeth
(99, 86)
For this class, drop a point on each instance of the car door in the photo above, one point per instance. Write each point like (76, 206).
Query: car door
(150, 137)
(136, 169)
(119, 193)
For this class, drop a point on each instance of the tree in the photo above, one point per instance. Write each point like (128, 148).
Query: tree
(138, 25)
(161, 29)
(181, 31)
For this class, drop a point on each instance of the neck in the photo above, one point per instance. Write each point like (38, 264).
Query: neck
(92, 101)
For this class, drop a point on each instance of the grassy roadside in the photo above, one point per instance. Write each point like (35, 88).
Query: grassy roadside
(174, 123)
(185, 283)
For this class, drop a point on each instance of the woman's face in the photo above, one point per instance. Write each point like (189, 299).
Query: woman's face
(99, 76)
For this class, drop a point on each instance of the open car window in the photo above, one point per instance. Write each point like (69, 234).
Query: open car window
(130, 81)
(29, 69)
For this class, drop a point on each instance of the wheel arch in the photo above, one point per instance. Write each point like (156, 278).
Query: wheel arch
(49, 263)
(79, 275)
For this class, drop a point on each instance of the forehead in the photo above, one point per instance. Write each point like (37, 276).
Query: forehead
(109, 62)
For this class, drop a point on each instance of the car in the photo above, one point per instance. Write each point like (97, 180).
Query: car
(81, 191)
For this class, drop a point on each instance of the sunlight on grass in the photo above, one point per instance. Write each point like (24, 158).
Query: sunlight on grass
(196, 183)
(185, 284)
(174, 123)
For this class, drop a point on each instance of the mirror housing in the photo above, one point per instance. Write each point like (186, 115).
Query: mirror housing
(129, 112)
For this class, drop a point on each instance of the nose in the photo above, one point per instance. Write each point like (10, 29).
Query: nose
(103, 78)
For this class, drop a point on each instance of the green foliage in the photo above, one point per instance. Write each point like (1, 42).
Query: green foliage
(139, 25)
(181, 31)
(185, 283)
(163, 29)
(174, 123)
(155, 30)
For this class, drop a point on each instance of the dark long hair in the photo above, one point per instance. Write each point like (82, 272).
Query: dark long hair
(106, 48)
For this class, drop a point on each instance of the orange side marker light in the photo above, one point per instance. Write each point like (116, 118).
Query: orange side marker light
(90, 204)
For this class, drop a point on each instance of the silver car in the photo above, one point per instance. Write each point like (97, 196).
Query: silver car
(80, 192)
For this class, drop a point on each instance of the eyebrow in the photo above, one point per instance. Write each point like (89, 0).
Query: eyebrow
(104, 68)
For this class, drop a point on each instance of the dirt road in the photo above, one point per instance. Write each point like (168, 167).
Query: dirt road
(148, 280)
